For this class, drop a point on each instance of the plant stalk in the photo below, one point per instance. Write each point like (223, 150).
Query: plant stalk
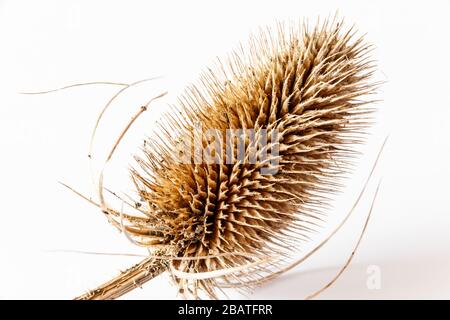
(128, 280)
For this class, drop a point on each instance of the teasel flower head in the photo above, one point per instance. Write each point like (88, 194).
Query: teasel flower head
(240, 174)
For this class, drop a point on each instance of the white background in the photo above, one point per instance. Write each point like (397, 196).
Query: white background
(44, 138)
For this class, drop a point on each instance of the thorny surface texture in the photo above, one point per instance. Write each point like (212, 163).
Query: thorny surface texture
(312, 87)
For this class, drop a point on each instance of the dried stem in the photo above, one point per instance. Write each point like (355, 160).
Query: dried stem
(128, 280)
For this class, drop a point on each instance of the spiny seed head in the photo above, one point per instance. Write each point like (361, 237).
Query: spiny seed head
(302, 94)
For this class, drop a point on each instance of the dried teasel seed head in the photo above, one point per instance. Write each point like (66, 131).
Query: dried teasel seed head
(241, 170)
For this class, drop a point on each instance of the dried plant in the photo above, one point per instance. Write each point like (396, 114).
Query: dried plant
(238, 218)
